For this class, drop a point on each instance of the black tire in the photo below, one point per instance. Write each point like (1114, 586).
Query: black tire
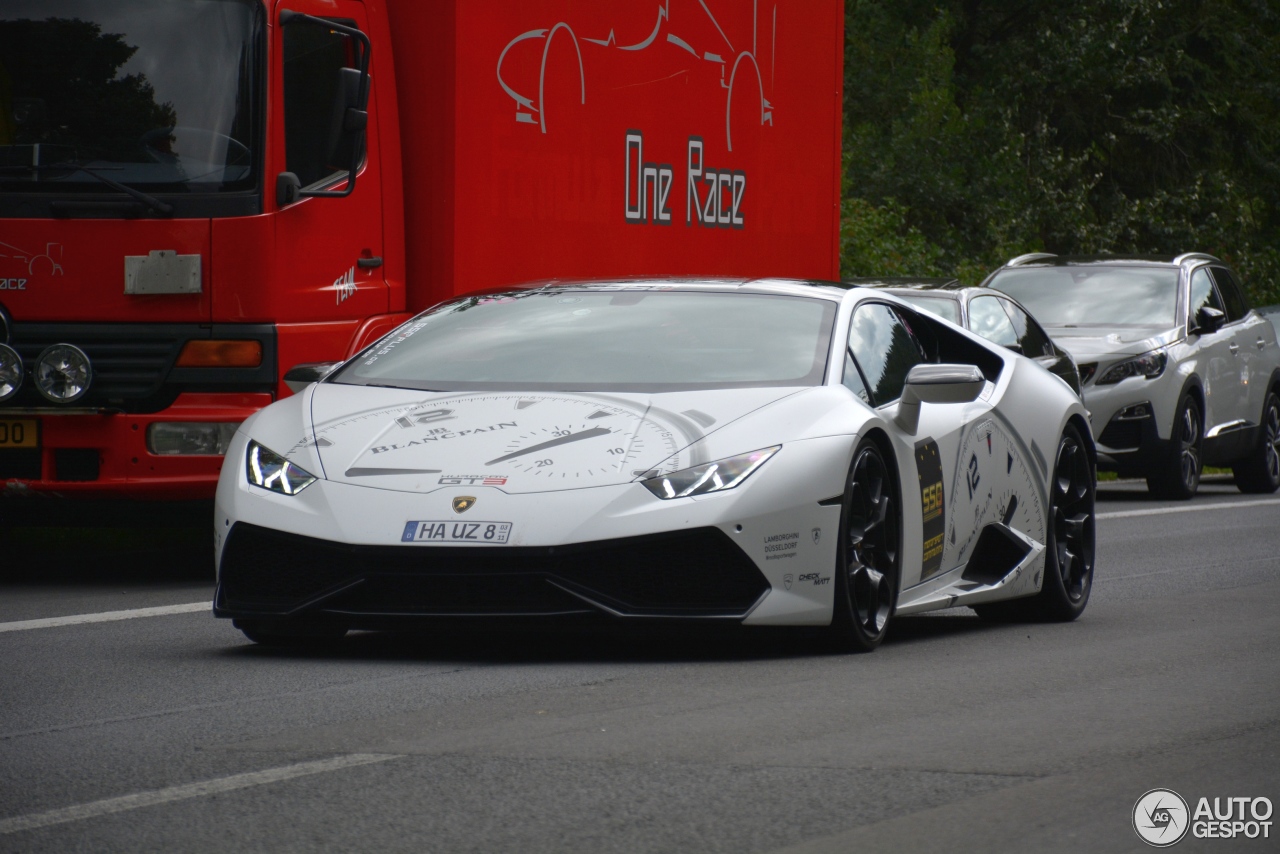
(869, 554)
(1260, 471)
(1179, 475)
(290, 633)
(1072, 538)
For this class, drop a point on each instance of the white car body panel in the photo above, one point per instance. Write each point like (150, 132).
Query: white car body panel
(994, 460)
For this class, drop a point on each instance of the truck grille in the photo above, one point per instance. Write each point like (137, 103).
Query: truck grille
(133, 363)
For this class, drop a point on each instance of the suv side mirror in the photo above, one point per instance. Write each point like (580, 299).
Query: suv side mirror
(936, 384)
(1209, 320)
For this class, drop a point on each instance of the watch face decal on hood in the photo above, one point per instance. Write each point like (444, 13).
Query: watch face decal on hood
(517, 442)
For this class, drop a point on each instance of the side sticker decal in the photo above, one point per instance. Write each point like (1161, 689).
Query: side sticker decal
(932, 511)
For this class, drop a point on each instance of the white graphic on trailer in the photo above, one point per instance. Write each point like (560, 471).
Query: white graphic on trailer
(35, 263)
(526, 108)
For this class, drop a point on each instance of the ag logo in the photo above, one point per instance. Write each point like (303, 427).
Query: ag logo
(463, 503)
(817, 535)
(1161, 818)
(786, 580)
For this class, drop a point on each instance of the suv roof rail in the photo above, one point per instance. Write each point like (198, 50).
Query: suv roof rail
(1029, 257)
(1195, 256)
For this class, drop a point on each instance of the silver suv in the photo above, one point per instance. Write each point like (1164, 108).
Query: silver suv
(1178, 371)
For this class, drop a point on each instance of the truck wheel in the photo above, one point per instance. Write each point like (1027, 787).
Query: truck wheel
(1179, 474)
(1260, 471)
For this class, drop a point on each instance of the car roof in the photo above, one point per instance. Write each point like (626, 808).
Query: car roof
(725, 284)
(1045, 259)
(906, 283)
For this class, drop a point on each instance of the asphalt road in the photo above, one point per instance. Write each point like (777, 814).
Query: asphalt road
(173, 733)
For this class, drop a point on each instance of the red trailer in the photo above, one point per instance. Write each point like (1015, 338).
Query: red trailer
(179, 227)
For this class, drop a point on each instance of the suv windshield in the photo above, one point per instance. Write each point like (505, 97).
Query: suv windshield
(154, 94)
(604, 340)
(1094, 296)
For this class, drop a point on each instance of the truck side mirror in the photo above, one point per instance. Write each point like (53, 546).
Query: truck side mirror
(288, 188)
(1209, 320)
(936, 384)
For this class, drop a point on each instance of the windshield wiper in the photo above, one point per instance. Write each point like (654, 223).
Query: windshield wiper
(150, 201)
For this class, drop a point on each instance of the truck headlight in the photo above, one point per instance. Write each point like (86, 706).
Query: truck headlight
(1149, 365)
(267, 469)
(709, 477)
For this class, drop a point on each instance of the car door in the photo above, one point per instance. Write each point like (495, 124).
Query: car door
(1218, 355)
(1252, 343)
(882, 349)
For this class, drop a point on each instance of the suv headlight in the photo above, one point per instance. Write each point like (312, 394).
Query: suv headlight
(1149, 365)
(709, 477)
(267, 469)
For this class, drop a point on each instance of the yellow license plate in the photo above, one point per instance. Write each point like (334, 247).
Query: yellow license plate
(19, 433)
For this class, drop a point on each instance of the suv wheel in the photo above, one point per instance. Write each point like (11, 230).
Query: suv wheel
(1179, 475)
(1260, 471)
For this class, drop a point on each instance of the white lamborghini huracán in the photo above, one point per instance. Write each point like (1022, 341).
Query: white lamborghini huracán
(770, 452)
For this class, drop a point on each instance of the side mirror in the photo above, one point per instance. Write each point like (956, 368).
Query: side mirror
(936, 384)
(300, 376)
(1209, 320)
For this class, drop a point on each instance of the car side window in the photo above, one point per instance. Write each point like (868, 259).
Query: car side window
(1203, 293)
(1034, 340)
(885, 349)
(987, 318)
(1229, 287)
(853, 379)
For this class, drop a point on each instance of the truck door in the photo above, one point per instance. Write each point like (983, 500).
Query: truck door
(331, 246)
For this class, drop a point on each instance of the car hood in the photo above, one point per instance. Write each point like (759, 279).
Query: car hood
(518, 442)
(1091, 343)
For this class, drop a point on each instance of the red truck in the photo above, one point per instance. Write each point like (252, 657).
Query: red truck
(198, 195)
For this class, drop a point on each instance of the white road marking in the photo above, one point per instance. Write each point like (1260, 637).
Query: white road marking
(189, 790)
(105, 617)
(1186, 508)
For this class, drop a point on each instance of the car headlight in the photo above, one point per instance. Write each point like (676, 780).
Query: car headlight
(1149, 365)
(709, 477)
(267, 469)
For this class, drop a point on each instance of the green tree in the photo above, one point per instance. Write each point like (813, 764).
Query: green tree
(978, 130)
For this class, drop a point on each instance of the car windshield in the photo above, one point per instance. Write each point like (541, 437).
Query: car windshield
(620, 339)
(154, 94)
(1094, 296)
(944, 307)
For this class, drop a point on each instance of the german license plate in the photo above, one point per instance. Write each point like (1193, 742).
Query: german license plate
(19, 433)
(450, 531)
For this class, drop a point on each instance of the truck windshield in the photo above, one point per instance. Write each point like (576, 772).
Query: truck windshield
(604, 340)
(159, 95)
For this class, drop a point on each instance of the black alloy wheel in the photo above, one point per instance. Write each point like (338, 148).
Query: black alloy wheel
(1260, 471)
(868, 563)
(1071, 538)
(1180, 476)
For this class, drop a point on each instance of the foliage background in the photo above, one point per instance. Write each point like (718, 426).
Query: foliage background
(977, 130)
